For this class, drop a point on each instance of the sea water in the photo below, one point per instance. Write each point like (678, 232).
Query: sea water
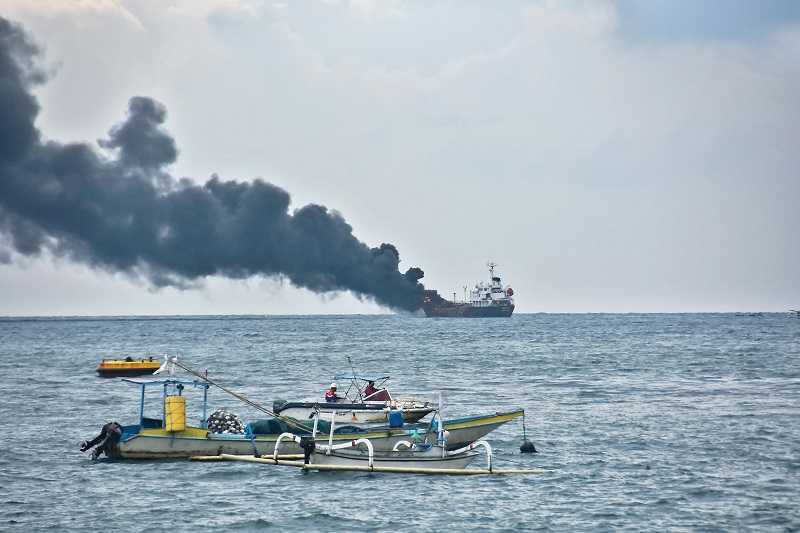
(643, 422)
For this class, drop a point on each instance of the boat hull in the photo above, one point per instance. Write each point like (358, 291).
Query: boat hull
(161, 444)
(348, 413)
(124, 369)
(125, 372)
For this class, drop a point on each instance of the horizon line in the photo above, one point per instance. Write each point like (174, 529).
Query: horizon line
(412, 315)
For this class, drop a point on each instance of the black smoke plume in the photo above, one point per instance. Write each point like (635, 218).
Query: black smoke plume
(125, 213)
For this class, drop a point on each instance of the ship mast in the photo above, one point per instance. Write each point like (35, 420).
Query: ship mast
(491, 265)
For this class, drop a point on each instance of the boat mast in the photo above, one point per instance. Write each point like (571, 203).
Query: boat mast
(354, 380)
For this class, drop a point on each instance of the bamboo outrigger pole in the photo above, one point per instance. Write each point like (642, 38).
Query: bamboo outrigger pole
(379, 469)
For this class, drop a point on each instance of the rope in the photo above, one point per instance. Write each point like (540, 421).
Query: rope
(242, 398)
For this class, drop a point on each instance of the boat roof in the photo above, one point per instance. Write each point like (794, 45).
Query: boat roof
(158, 380)
(361, 377)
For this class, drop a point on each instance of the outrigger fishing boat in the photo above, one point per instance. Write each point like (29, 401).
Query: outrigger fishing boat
(113, 368)
(169, 436)
(413, 459)
(404, 455)
(360, 404)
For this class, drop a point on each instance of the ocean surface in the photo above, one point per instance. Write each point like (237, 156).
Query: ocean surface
(686, 422)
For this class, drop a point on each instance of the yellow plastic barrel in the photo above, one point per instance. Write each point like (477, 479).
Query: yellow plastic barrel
(175, 413)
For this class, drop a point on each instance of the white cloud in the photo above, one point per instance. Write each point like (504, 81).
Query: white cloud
(373, 9)
(57, 8)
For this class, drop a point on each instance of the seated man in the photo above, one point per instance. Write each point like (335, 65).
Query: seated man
(330, 394)
(370, 389)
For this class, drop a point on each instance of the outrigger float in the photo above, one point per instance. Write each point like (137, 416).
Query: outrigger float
(366, 468)
(170, 437)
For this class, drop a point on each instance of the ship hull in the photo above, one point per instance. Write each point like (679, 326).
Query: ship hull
(468, 311)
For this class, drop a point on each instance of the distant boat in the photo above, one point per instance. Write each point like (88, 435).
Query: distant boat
(117, 368)
(794, 313)
(485, 300)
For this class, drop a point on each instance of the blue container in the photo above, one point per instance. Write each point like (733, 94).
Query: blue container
(395, 419)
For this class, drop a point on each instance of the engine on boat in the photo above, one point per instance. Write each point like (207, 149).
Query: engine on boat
(221, 421)
(106, 442)
(308, 445)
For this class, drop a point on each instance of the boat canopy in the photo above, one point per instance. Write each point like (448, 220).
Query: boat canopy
(364, 377)
(358, 382)
(161, 381)
(168, 385)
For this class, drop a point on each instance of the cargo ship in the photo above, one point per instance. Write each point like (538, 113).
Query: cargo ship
(485, 300)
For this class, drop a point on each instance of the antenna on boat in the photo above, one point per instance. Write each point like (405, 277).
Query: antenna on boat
(441, 434)
(353, 370)
(491, 265)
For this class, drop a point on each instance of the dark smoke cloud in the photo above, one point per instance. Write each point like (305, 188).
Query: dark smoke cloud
(125, 213)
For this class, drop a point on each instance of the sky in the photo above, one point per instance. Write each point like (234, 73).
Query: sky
(610, 156)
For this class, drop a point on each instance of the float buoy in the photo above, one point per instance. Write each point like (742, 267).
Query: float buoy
(527, 446)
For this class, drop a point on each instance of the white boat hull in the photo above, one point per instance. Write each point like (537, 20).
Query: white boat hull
(342, 417)
(349, 414)
(165, 446)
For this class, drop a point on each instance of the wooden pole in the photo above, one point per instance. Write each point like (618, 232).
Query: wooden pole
(380, 469)
(267, 458)
(420, 470)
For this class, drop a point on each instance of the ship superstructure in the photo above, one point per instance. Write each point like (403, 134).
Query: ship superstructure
(490, 299)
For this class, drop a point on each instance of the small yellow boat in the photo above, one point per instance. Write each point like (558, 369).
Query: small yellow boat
(112, 368)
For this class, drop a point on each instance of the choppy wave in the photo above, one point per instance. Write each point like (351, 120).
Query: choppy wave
(646, 422)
